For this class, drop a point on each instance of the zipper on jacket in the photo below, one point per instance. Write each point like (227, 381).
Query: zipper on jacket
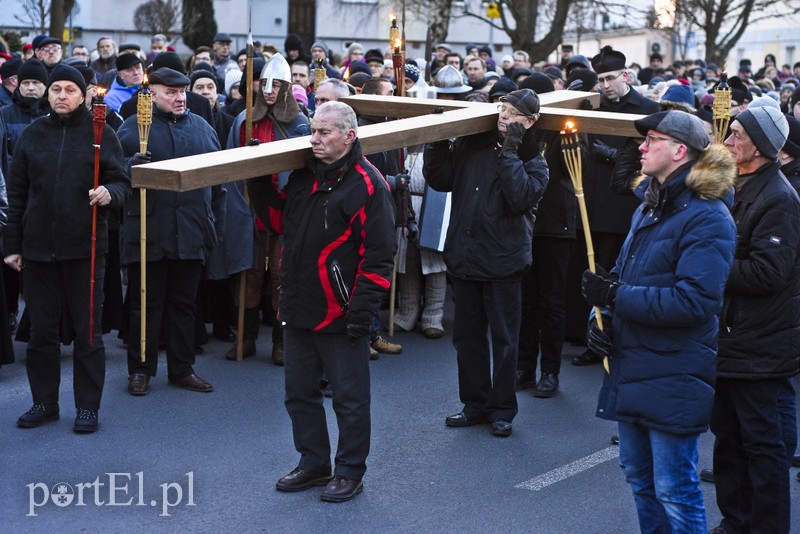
(325, 214)
(340, 286)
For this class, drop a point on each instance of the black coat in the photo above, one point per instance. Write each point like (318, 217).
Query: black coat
(760, 322)
(180, 226)
(197, 104)
(15, 117)
(50, 217)
(610, 212)
(556, 212)
(493, 205)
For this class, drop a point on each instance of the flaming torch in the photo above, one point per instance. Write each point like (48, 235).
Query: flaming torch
(722, 108)
(396, 43)
(99, 123)
(144, 119)
(570, 149)
(319, 73)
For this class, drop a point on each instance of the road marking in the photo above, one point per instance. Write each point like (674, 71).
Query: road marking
(569, 470)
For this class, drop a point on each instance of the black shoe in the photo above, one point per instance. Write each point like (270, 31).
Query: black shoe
(707, 475)
(38, 414)
(501, 428)
(299, 480)
(341, 489)
(525, 379)
(547, 386)
(587, 358)
(615, 439)
(796, 461)
(460, 420)
(12, 322)
(86, 421)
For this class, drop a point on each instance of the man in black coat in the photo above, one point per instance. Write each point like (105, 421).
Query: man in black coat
(759, 332)
(181, 230)
(51, 199)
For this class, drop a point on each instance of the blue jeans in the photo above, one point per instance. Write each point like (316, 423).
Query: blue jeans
(661, 469)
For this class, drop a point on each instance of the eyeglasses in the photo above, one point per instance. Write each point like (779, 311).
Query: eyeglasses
(51, 49)
(510, 111)
(608, 79)
(649, 138)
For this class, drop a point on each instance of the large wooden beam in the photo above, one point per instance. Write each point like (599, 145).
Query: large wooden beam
(194, 172)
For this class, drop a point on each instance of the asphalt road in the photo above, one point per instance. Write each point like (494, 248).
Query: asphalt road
(182, 461)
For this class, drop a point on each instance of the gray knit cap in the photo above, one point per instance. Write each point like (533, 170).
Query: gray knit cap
(767, 127)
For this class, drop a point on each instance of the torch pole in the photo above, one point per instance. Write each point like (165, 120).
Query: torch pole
(98, 122)
(144, 119)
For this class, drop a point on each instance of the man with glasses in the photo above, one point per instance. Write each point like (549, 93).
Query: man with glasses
(81, 52)
(659, 307)
(49, 52)
(497, 180)
(222, 55)
(609, 212)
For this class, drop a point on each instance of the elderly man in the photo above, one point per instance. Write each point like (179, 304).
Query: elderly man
(49, 52)
(758, 334)
(50, 233)
(130, 73)
(497, 180)
(223, 62)
(659, 309)
(337, 262)
(181, 230)
(107, 56)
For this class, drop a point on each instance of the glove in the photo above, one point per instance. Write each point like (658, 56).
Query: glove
(604, 153)
(514, 133)
(599, 341)
(139, 158)
(359, 324)
(398, 183)
(413, 231)
(599, 288)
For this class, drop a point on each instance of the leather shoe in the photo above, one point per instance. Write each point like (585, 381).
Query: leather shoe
(225, 333)
(547, 386)
(525, 379)
(277, 354)
(139, 384)
(299, 480)
(707, 475)
(38, 414)
(340, 489)
(86, 421)
(193, 383)
(248, 349)
(501, 428)
(433, 333)
(460, 420)
(587, 358)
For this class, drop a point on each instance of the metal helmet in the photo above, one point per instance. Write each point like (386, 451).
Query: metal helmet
(449, 80)
(276, 69)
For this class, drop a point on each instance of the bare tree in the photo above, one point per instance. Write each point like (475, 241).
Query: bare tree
(159, 16)
(37, 13)
(59, 12)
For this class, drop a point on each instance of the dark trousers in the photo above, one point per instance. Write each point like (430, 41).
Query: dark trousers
(751, 468)
(51, 287)
(487, 385)
(543, 309)
(347, 364)
(171, 287)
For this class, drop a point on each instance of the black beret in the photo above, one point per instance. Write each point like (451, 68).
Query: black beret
(126, 61)
(608, 60)
(539, 82)
(373, 54)
(502, 88)
(66, 73)
(33, 69)
(222, 37)
(170, 60)
(169, 77)
(46, 41)
(10, 68)
(129, 46)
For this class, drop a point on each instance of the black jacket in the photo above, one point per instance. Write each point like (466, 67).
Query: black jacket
(493, 205)
(336, 217)
(556, 212)
(760, 323)
(50, 217)
(15, 117)
(180, 226)
(197, 104)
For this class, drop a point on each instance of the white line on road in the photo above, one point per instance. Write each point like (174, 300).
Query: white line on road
(569, 470)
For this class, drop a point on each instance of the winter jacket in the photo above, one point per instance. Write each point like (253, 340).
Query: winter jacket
(556, 212)
(49, 216)
(760, 321)
(493, 205)
(672, 269)
(338, 222)
(180, 226)
(118, 94)
(792, 173)
(15, 117)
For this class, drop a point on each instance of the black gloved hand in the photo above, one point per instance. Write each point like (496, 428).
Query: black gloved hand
(413, 231)
(359, 324)
(140, 159)
(398, 183)
(599, 288)
(514, 133)
(600, 341)
(604, 153)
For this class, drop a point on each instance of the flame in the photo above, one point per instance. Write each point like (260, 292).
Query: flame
(101, 91)
(397, 44)
(145, 80)
(346, 74)
(393, 19)
(569, 125)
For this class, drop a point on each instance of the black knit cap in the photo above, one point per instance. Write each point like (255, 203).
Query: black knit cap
(608, 60)
(502, 88)
(200, 74)
(539, 82)
(582, 80)
(89, 75)
(792, 146)
(170, 60)
(10, 68)
(126, 61)
(525, 100)
(33, 69)
(169, 77)
(65, 73)
(373, 54)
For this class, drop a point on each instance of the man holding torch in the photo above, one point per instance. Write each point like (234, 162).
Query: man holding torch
(49, 234)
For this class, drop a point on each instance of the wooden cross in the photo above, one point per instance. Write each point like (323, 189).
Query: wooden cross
(419, 125)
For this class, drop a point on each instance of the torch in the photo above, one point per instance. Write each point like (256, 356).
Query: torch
(144, 118)
(319, 73)
(722, 108)
(570, 149)
(99, 123)
(397, 56)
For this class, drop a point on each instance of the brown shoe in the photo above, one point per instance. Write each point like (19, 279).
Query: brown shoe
(277, 354)
(193, 383)
(139, 384)
(387, 347)
(340, 489)
(248, 349)
(299, 480)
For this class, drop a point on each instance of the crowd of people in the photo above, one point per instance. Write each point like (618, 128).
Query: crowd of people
(693, 306)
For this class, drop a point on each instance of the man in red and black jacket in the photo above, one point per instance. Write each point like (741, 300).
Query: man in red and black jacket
(338, 227)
